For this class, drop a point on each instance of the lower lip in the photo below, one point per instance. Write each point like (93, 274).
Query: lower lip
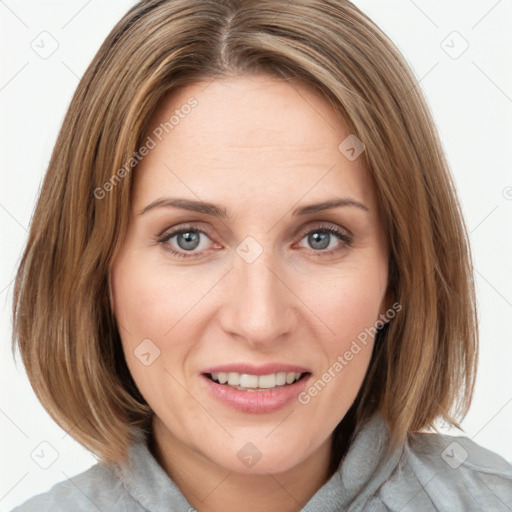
(256, 401)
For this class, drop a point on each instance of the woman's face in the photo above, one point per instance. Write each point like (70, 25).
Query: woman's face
(255, 288)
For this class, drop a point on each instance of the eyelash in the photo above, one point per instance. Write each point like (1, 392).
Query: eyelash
(325, 228)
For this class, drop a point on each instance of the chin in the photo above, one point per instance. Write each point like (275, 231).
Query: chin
(261, 456)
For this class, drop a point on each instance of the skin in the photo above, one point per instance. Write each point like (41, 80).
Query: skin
(259, 147)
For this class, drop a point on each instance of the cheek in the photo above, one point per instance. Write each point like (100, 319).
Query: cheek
(149, 299)
(146, 307)
(347, 302)
(347, 354)
(141, 308)
(138, 303)
(153, 302)
(349, 308)
(353, 323)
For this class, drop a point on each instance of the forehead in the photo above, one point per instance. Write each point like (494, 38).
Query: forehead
(244, 136)
(253, 110)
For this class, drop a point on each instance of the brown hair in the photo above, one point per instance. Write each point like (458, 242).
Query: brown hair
(424, 362)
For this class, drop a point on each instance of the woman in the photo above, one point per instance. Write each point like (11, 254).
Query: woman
(248, 283)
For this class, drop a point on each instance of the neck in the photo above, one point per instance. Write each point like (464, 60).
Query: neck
(211, 488)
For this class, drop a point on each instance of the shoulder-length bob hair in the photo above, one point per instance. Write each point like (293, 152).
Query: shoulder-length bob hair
(424, 363)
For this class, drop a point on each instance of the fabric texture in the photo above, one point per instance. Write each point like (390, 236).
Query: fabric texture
(431, 472)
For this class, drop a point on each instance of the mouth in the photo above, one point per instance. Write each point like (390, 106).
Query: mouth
(256, 389)
(256, 383)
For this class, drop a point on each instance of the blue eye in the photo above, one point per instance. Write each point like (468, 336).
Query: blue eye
(320, 237)
(188, 238)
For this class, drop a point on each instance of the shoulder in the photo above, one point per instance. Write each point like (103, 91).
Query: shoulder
(445, 473)
(97, 488)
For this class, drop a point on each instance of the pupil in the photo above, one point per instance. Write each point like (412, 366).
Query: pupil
(191, 240)
(319, 240)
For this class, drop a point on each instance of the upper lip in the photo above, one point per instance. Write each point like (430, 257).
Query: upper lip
(251, 369)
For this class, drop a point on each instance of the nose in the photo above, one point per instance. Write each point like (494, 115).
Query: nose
(260, 308)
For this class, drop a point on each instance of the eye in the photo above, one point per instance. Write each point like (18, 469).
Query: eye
(188, 238)
(320, 238)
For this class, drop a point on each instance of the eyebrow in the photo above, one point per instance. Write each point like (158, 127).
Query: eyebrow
(220, 212)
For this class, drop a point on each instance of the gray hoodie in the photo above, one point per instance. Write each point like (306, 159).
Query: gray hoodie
(432, 472)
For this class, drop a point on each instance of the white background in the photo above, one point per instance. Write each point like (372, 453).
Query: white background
(471, 99)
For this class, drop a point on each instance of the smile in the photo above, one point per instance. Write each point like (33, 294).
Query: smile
(248, 382)
(255, 389)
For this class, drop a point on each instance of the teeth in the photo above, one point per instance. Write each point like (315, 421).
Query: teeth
(248, 381)
(280, 379)
(267, 381)
(252, 382)
(233, 379)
